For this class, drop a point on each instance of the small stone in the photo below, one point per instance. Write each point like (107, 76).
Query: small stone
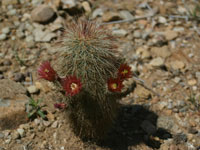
(171, 35)
(163, 52)
(86, 6)
(97, 12)
(162, 20)
(32, 89)
(165, 122)
(20, 34)
(42, 14)
(177, 79)
(7, 62)
(15, 135)
(19, 77)
(197, 74)
(143, 52)
(43, 36)
(1, 135)
(126, 15)
(180, 138)
(37, 122)
(1, 76)
(5, 30)
(110, 16)
(21, 132)
(148, 127)
(48, 37)
(29, 39)
(157, 62)
(119, 32)
(7, 141)
(55, 124)
(47, 123)
(177, 64)
(9, 2)
(137, 34)
(68, 3)
(12, 12)
(192, 82)
(192, 131)
(2, 37)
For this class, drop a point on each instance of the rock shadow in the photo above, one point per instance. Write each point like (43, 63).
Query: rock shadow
(135, 124)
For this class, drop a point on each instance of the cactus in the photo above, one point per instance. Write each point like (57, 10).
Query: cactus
(91, 72)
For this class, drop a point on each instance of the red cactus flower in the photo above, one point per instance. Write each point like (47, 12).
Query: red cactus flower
(72, 85)
(60, 105)
(124, 71)
(115, 85)
(45, 71)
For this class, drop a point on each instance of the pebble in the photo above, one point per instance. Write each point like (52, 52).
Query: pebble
(177, 79)
(2, 36)
(29, 39)
(47, 123)
(180, 138)
(1, 76)
(165, 122)
(163, 51)
(21, 132)
(157, 62)
(12, 12)
(15, 135)
(19, 77)
(197, 75)
(119, 32)
(5, 30)
(32, 89)
(69, 3)
(97, 13)
(37, 121)
(9, 2)
(86, 6)
(162, 20)
(7, 62)
(126, 15)
(42, 14)
(20, 34)
(192, 82)
(1, 135)
(43, 36)
(137, 34)
(177, 64)
(170, 35)
(55, 124)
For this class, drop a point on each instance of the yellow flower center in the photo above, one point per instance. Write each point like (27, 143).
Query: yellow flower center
(74, 86)
(114, 86)
(125, 71)
(46, 70)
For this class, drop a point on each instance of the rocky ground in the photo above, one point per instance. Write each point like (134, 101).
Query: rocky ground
(161, 41)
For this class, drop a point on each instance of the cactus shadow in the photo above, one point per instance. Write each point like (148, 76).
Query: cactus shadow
(129, 131)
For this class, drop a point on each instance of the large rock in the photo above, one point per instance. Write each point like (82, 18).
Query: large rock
(42, 14)
(12, 104)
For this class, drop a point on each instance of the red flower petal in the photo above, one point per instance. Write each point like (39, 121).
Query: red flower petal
(115, 85)
(124, 71)
(72, 85)
(60, 105)
(45, 71)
